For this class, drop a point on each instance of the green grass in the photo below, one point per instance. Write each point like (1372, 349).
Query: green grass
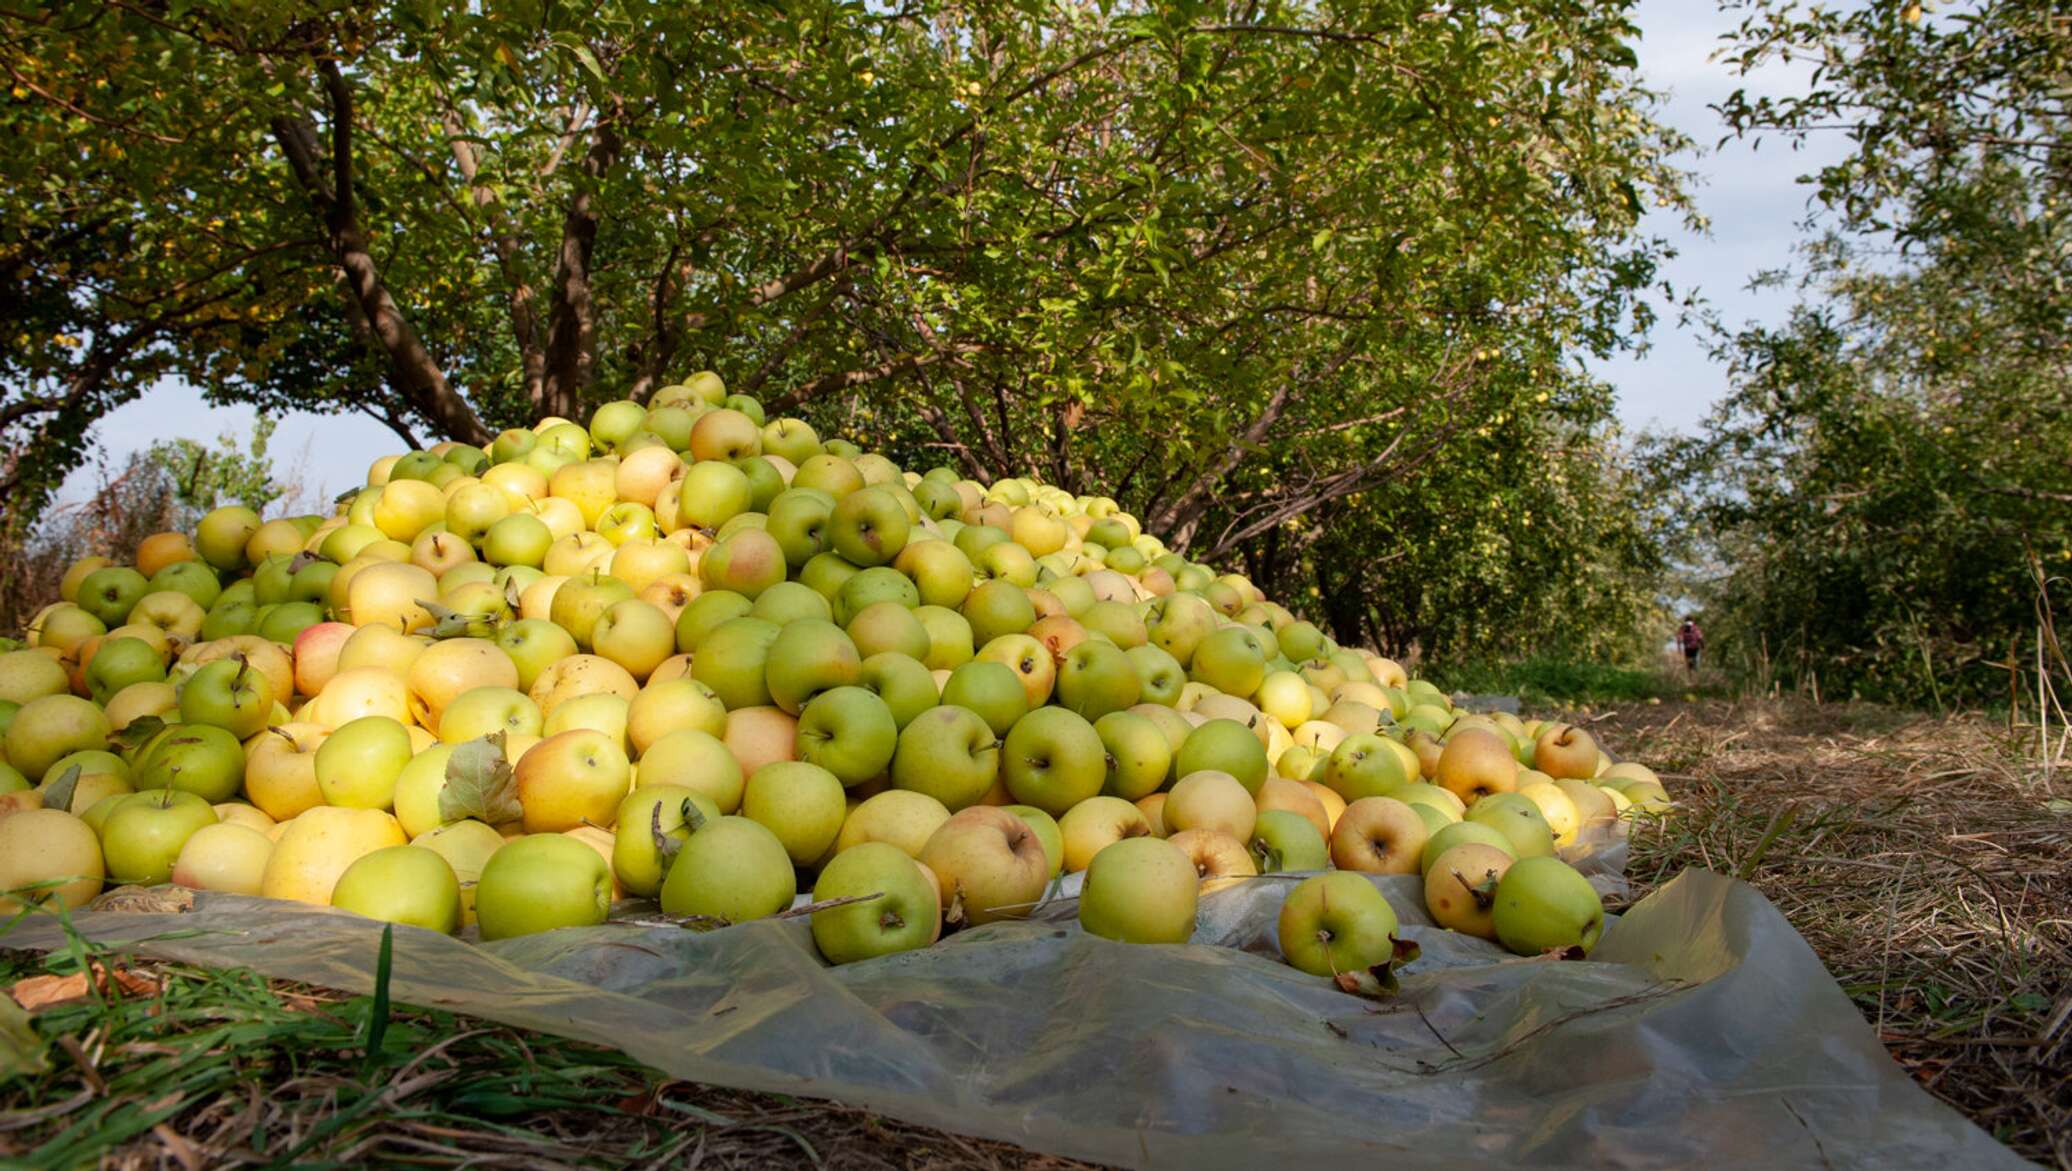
(203, 1067)
(1556, 680)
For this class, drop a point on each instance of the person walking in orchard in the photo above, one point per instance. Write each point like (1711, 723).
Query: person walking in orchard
(1690, 640)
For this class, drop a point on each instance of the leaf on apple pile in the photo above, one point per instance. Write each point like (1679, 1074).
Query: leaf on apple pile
(512, 594)
(953, 916)
(480, 783)
(1378, 982)
(448, 622)
(1483, 892)
(302, 561)
(58, 795)
(1269, 857)
(137, 733)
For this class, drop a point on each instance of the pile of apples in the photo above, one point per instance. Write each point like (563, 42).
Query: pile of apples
(689, 655)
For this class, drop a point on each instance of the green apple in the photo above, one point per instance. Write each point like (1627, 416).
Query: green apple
(110, 593)
(230, 694)
(615, 422)
(747, 562)
(940, 571)
(195, 579)
(1049, 834)
(798, 520)
(868, 527)
(713, 493)
(949, 637)
(1097, 678)
(358, 764)
(30, 675)
(730, 868)
(1518, 820)
(1364, 765)
(143, 833)
(534, 644)
(1231, 660)
(789, 601)
(991, 689)
(647, 811)
(790, 439)
(996, 608)
(706, 613)
(806, 658)
(517, 539)
(402, 884)
(948, 753)
(733, 661)
(1227, 746)
(201, 759)
(1138, 756)
(1336, 922)
(220, 537)
(52, 726)
(867, 587)
(539, 882)
(1053, 759)
(696, 760)
(1119, 623)
(1284, 841)
(1177, 624)
(850, 732)
(479, 711)
(907, 687)
(1160, 677)
(829, 472)
(1543, 904)
(801, 803)
(1462, 833)
(826, 573)
(1140, 890)
(899, 910)
(889, 626)
(119, 662)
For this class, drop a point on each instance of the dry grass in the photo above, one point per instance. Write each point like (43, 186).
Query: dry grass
(1923, 861)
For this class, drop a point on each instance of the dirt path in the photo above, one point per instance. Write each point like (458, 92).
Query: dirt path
(1924, 861)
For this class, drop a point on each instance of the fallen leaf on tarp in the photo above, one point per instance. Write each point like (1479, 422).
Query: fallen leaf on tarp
(21, 1050)
(40, 992)
(145, 900)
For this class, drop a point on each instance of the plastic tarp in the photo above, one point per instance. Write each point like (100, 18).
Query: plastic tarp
(1703, 1032)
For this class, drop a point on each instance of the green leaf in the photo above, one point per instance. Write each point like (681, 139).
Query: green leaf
(22, 1051)
(479, 783)
(58, 794)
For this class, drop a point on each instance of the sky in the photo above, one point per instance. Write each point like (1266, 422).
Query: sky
(1748, 193)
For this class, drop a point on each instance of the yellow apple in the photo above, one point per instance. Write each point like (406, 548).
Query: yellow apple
(317, 846)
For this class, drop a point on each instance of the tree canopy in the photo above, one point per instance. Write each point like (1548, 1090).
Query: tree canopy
(1883, 494)
(1237, 264)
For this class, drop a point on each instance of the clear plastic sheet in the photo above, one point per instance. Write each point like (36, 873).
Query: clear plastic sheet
(1702, 1033)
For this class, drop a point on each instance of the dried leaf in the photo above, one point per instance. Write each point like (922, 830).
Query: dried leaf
(1378, 982)
(480, 783)
(448, 622)
(145, 900)
(40, 992)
